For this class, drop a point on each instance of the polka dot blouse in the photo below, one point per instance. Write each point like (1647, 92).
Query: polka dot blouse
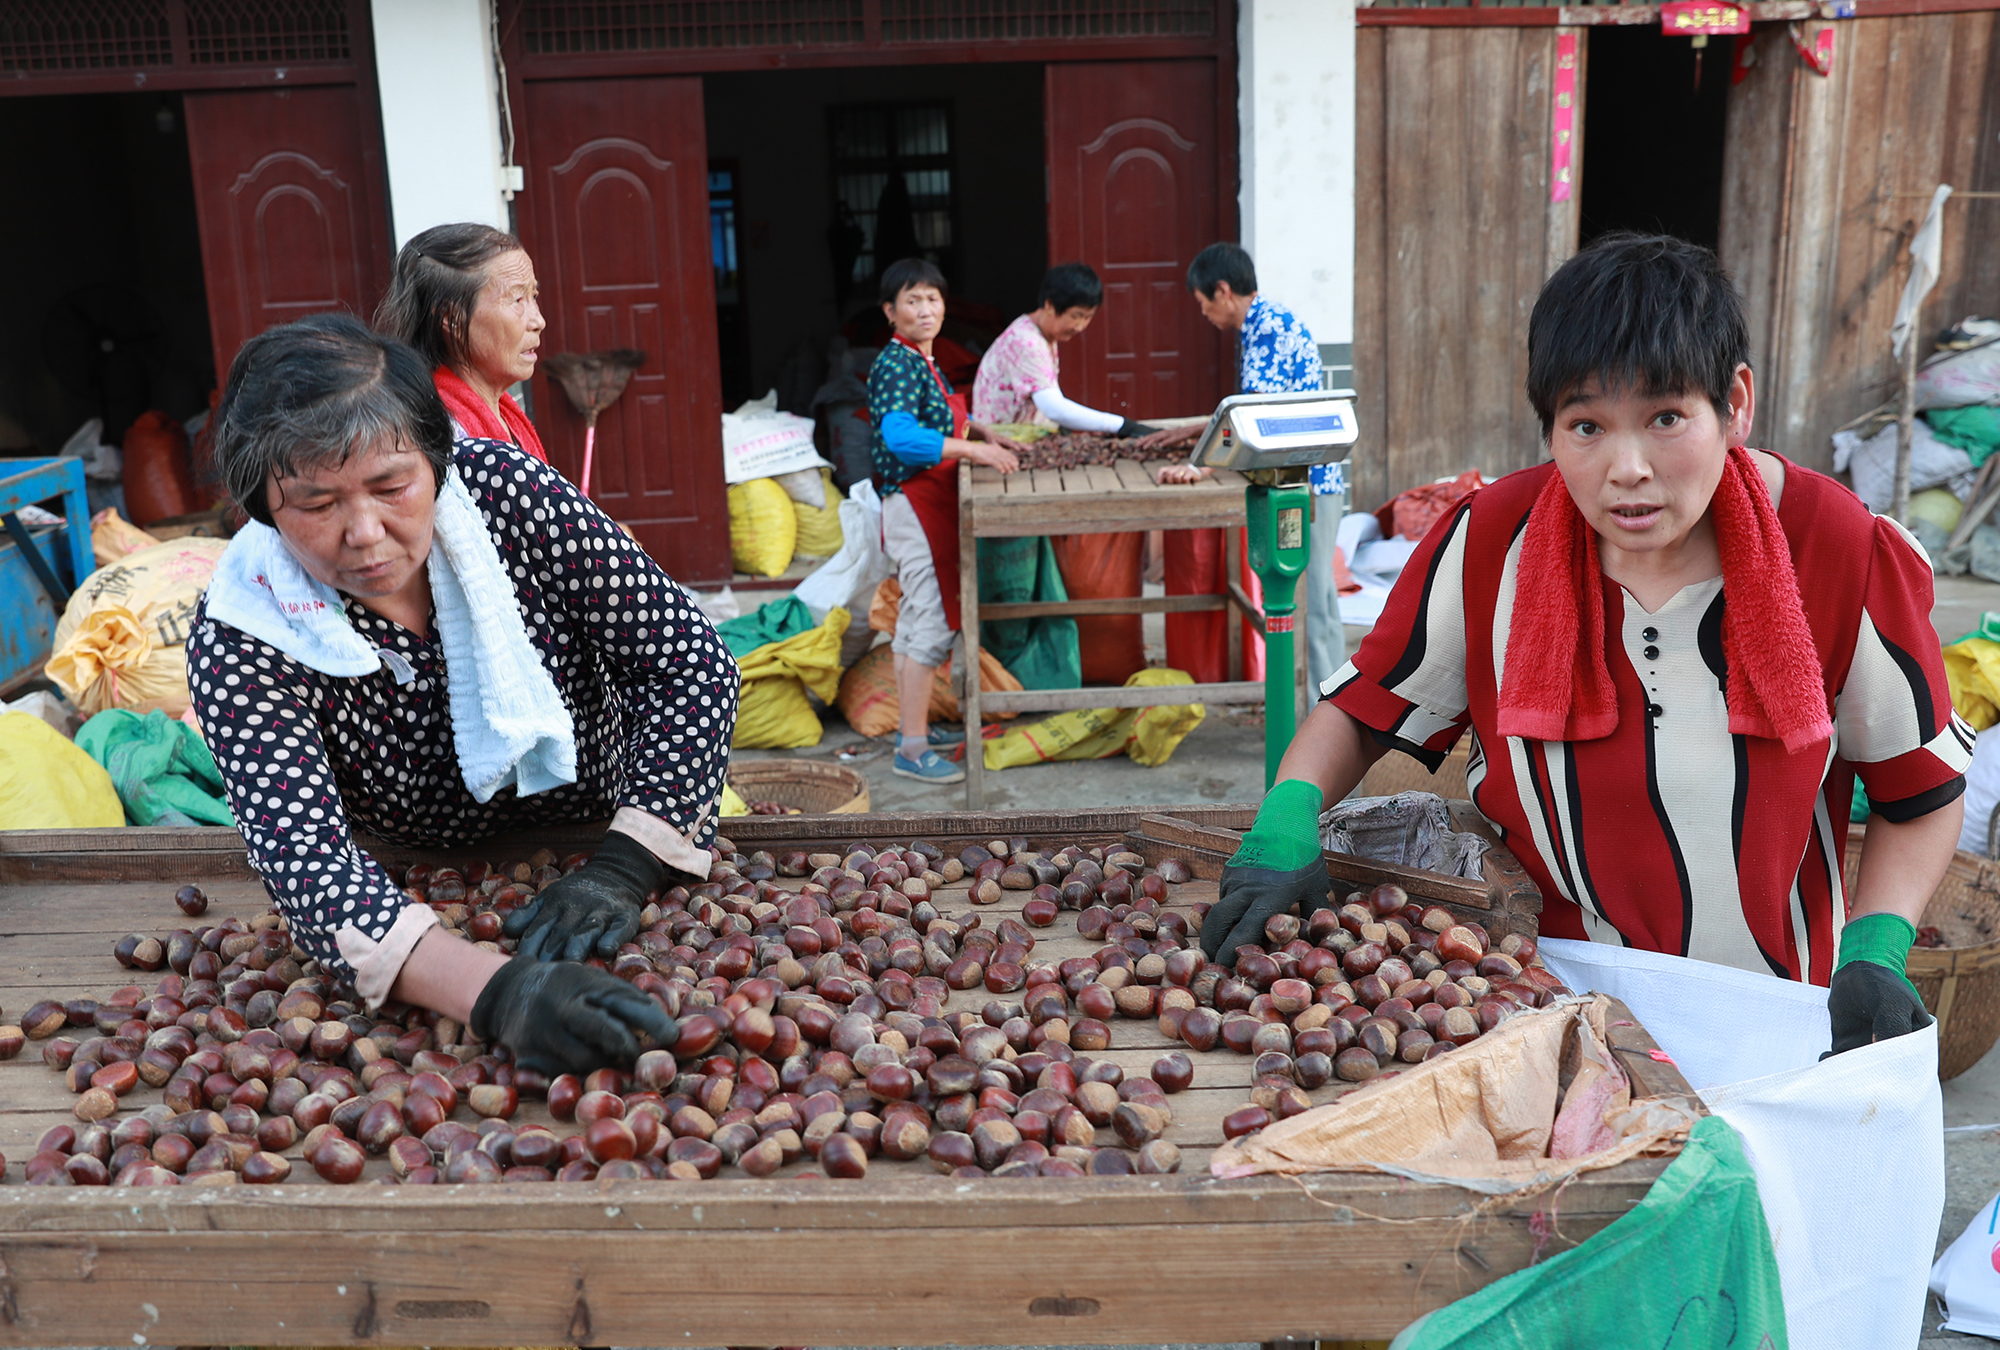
(649, 685)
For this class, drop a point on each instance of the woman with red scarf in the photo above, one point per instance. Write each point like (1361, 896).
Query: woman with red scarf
(465, 297)
(1674, 653)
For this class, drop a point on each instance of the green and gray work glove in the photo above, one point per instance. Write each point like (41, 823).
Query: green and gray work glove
(1278, 867)
(1870, 998)
(562, 1018)
(595, 909)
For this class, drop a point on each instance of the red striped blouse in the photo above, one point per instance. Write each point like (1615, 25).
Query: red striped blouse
(1672, 834)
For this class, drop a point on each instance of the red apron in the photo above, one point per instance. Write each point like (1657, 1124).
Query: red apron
(933, 495)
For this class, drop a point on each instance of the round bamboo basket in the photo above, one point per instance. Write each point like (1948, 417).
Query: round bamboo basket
(815, 789)
(1960, 983)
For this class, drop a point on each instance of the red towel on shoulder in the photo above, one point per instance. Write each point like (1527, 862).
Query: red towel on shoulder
(478, 418)
(1557, 685)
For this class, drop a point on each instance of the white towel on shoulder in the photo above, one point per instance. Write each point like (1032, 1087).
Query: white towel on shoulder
(507, 718)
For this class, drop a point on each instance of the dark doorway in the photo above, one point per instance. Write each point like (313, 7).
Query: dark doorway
(102, 308)
(1652, 138)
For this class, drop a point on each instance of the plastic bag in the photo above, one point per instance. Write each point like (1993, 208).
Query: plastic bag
(1872, 464)
(1968, 376)
(1972, 669)
(1982, 793)
(1975, 430)
(1410, 829)
(819, 532)
(1848, 1151)
(1689, 1267)
(1112, 647)
(763, 528)
(771, 622)
(758, 441)
(1198, 641)
(47, 783)
(731, 803)
(161, 768)
(1148, 736)
(773, 713)
(113, 537)
(805, 486)
(867, 696)
(1042, 653)
(1966, 1279)
(159, 473)
(850, 576)
(120, 641)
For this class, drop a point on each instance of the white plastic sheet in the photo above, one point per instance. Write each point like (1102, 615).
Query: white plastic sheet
(1848, 1151)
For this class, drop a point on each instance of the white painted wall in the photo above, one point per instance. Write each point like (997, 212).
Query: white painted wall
(440, 113)
(1295, 107)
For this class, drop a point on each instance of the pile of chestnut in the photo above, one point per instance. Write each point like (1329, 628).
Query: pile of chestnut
(1351, 994)
(812, 1024)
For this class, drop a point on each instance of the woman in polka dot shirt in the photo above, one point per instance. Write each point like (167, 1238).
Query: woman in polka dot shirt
(334, 437)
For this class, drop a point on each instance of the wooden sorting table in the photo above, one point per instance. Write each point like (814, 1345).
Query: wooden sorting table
(1115, 498)
(906, 1256)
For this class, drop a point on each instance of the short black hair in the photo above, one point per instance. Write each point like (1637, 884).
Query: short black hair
(899, 276)
(1071, 285)
(1636, 311)
(315, 391)
(435, 286)
(1222, 262)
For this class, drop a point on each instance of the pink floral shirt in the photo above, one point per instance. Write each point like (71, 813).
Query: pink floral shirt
(1020, 363)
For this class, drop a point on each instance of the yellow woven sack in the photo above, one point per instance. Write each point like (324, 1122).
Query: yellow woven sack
(47, 782)
(763, 528)
(119, 643)
(1972, 667)
(1148, 735)
(773, 713)
(819, 530)
(731, 803)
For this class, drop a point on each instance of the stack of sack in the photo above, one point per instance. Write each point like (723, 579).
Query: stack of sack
(782, 502)
(1956, 432)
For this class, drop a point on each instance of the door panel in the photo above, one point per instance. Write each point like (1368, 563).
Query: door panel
(290, 221)
(616, 219)
(1132, 174)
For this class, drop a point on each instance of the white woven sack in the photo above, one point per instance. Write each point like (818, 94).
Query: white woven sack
(1848, 1151)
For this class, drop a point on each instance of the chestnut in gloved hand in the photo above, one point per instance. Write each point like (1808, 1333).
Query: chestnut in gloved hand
(1279, 868)
(595, 909)
(559, 1018)
(1870, 998)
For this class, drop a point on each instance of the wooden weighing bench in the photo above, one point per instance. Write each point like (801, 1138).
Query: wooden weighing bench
(1115, 498)
(904, 1257)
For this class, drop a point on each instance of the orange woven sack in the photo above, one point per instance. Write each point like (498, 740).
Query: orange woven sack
(159, 473)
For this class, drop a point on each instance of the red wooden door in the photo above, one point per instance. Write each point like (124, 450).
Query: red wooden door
(291, 217)
(1132, 175)
(616, 220)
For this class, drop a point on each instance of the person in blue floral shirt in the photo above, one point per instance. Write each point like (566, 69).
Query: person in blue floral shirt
(1275, 353)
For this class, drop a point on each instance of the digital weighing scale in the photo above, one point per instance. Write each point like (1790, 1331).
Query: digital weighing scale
(1273, 440)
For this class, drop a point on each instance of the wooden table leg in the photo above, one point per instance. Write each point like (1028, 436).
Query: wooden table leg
(968, 623)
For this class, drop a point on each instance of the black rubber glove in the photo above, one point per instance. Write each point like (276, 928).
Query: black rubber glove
(593, 909)
(561, 1018)
(1252, 896)
(1130, 429)
(1870, 1003)
(1279, 866)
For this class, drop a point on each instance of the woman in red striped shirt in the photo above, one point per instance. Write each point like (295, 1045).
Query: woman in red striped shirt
(1674, 654)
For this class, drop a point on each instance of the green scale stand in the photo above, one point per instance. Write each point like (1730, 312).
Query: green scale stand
(1273, 440)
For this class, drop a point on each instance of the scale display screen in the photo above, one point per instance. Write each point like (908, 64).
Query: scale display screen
(1300, 426)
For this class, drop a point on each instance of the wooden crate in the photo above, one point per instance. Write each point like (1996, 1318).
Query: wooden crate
(905, 1257)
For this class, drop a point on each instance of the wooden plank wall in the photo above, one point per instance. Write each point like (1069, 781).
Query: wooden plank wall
(1454, 237)
(1825, 181)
